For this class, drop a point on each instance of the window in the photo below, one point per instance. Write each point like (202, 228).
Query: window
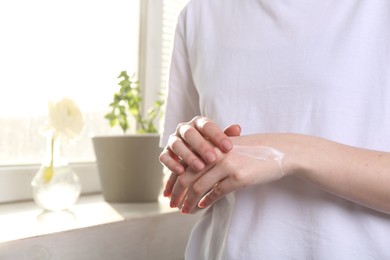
(50, 49)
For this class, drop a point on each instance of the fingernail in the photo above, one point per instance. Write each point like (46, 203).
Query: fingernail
(201, 204)
(210, 157)
(173, 205)
(226, 145)
(184, 211)
(198, 165)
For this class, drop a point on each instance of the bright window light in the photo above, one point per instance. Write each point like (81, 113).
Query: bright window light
(53, 48)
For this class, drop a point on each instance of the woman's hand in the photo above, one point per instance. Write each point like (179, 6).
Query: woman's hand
(352, 173)
(193, 144)
(242, 166)
(190, 143)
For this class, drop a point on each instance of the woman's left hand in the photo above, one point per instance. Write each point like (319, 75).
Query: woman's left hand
(230, 172)
(352, 173)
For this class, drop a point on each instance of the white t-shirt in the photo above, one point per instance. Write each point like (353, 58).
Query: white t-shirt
(312, 67)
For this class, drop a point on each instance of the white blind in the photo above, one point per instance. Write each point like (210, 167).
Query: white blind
(171, 11)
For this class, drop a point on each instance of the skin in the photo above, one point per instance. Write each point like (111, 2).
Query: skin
(355, 174)
(197, 154)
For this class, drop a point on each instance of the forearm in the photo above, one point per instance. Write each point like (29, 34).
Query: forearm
(359, 175)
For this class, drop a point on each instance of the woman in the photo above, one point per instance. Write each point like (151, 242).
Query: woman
(308, 82)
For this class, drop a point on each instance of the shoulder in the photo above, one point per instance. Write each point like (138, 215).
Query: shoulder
(205, 8)
(203, 13)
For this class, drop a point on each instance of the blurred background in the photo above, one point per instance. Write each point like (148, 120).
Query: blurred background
(75, 48)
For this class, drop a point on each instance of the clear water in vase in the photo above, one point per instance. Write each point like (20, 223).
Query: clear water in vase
(60, 193)
(56, 185)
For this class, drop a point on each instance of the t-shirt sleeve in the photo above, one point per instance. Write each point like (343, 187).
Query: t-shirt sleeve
(182, 103)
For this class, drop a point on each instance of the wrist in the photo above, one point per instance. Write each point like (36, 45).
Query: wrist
(298, 154)
(301, 155)
(298, 150)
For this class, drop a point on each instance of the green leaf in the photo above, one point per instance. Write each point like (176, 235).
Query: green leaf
(128, 102)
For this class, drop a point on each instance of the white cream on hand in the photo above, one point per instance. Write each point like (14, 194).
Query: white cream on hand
(262, 153)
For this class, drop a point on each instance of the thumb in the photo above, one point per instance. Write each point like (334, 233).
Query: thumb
(233, 130)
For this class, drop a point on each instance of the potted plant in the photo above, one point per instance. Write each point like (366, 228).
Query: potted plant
(128, 164)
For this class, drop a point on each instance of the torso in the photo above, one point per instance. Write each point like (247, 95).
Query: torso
(319, 68)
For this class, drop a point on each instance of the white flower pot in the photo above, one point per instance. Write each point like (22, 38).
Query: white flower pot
(128, 167)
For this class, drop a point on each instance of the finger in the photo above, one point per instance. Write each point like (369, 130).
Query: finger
(182, 184)
(177, 193)
(213, 133)
(171, 161)
(217, 192)
(170, 184)
(201, 187)
(233, 130)
(198, 143)
(182, 150)
(180, 187)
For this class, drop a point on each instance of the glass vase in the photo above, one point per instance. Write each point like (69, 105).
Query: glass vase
(56, 185)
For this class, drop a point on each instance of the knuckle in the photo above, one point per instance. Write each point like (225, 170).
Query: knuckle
(197, 189)
(188, 158)
(172, 139)
(217, 191)
(174, 197)
(238, 176)
(187, 131)
(197, 118)
(230, 166)
(163, 157)
(167, 161)
(211, 197)
(180, 125)
(175, 145)
(181, 182)
(204, 147)
(219, 136)
(206, 124)
(170, 183)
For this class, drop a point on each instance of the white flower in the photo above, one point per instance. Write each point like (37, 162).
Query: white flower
(65, 119)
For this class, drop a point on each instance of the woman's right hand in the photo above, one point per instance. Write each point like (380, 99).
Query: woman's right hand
(192, 144)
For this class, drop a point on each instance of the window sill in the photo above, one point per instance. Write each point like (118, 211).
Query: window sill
(94, 229)
(15, 181)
